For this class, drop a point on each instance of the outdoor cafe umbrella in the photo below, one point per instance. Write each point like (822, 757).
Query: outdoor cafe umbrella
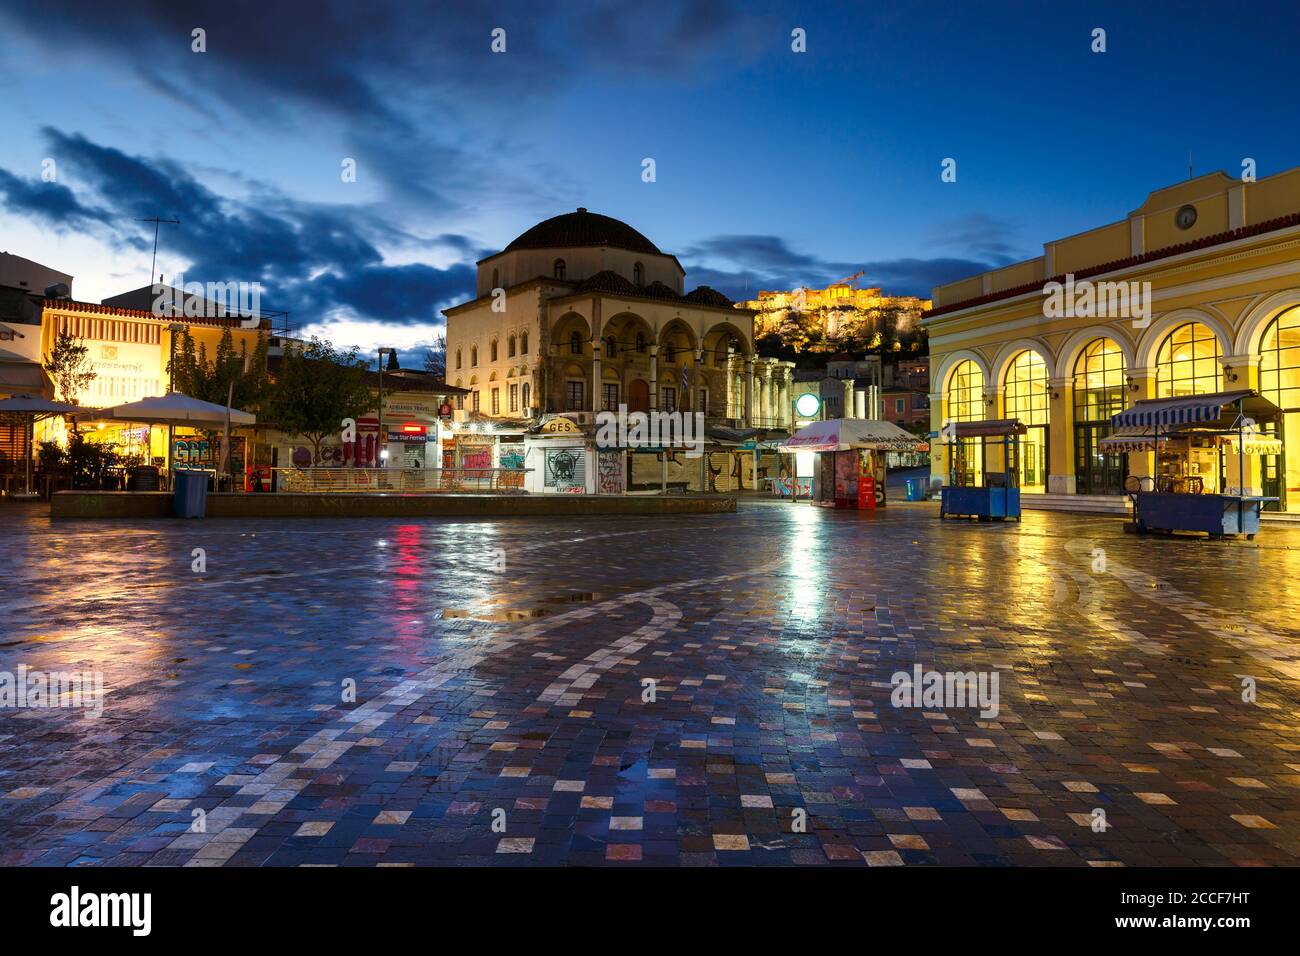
(32, 407)
(174, 408)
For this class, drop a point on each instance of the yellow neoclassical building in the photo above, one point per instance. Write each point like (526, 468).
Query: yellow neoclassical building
(1197, 291)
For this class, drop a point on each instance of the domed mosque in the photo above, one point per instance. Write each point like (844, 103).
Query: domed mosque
(582, 313)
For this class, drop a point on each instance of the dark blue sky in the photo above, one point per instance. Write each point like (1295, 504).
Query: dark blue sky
(773, 168)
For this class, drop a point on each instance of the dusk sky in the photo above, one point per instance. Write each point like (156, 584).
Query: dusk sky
(774, 168)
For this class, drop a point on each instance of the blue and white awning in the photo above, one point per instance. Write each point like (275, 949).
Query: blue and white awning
(1176, 411)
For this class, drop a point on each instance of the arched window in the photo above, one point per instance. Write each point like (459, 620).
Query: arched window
(492, 351)
(640, 341)
(458, 358)
(638, 274)
(558, 270)
(527, 392)
(966, 393)
(1188, 362)
(611, 347)
(1026, 398)
(510, 347)
(575, 342)
(473, 357)
(1100, 391)
(965, 403)
(523, 345)
(1279, 382)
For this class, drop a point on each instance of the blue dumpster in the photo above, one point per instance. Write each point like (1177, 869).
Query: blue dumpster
(915, 489)
(190, 493)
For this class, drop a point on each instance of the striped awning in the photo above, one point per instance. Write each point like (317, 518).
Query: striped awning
(1254, 443)
(1143, 440)
(1176, 411)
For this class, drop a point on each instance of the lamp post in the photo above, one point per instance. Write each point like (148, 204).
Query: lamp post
(173, 329)
(381, 449)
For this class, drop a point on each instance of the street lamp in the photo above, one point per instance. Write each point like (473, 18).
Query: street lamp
(383, 435)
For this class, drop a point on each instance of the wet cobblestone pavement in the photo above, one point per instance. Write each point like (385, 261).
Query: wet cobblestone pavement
(499, 717)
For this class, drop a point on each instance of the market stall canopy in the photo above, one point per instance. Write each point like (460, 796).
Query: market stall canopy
(174, 408)
(842, 434)
(988, 428)
(1215, 410)
(36, 405)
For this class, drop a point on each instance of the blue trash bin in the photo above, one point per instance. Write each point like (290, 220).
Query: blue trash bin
(190, 494)
(915, 489)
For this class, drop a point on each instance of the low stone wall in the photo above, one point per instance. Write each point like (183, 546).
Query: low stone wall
(134, 504)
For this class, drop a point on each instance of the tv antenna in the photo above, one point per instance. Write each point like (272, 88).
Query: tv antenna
(157, 224)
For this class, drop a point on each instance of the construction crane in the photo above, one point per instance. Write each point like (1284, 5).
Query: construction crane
(851, 280)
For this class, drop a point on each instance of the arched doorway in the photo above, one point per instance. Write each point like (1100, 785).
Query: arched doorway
(1027, 399)
(638, 395)
(1099, 392)
(964, 402)
(1279, 382)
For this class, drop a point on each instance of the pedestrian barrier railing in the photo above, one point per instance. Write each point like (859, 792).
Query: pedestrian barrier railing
(397, 480)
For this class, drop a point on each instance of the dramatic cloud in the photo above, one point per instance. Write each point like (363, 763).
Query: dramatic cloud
(400, 84)
(318, 262)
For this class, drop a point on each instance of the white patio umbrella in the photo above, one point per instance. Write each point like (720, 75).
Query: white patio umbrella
(842, 434)
(174, 408)
(32, 407)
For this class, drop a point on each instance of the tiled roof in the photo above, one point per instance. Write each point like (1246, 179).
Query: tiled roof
(704, 295)
(583, 228)
(1219, 238)
(607, 280)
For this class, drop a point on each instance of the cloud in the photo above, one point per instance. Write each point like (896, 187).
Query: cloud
(980, 235)
(741, 265)
(317, 261)
(401, 88)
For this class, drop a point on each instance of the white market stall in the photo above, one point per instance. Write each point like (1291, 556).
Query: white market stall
(849, 467)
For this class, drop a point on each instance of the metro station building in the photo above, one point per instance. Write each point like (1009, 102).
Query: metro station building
(1211, 268)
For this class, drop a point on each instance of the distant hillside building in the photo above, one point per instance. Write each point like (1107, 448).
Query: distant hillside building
(838, 308)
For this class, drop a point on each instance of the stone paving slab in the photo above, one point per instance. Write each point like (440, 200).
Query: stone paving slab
(377, 692)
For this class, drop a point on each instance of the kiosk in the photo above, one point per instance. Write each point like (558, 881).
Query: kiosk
(851, 456)
(973, 489)
(1206, 451)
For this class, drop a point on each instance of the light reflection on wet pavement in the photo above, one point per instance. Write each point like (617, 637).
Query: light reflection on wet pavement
(770, 635)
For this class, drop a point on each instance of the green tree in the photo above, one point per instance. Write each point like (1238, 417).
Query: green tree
(315, 389)
(69, 366)
(231, 373)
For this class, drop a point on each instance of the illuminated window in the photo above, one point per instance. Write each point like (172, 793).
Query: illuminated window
(1279, 382)
(1099, 382)
(1188, 362)
(1026, 388)
(966, 393)
(1026, 399)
